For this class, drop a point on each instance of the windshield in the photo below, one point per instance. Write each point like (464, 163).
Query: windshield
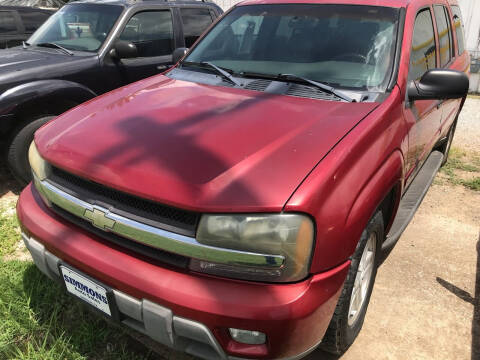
(344, 45)
(82, 27)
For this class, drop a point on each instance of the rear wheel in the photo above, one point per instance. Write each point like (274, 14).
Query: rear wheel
(352, 305)
(17, 149)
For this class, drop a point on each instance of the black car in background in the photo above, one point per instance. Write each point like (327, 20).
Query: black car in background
(17, 23)
(87, 48)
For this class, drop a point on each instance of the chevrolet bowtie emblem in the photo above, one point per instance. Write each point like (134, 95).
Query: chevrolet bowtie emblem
(99, 219)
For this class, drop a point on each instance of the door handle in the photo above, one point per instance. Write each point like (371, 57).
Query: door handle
(163, 67)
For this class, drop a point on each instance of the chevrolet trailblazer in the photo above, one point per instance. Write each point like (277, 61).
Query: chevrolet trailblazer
(239, 205)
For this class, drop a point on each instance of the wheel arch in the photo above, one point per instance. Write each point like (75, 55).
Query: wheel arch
(382, 192)
(41, 98)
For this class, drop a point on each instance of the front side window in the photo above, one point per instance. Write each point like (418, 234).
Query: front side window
(343, 45)
(82, 27)
(151, 32)
(423, 55)
(458, 24)
(195, 22)
(444, 35)
(7, 22)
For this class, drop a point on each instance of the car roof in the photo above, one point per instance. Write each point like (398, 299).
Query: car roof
(388, 3)
(132, 3)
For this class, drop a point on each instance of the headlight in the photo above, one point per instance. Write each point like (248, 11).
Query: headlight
(287, 235)
(39, 166)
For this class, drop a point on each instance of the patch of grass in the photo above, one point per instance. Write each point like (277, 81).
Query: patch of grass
(473, 184)
(9, 231)
(40, 321)
(461, 161)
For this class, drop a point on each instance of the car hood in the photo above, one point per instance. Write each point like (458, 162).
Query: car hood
(199, 147)
(18, 64)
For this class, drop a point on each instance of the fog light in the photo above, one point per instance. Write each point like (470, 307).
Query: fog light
(248, 337)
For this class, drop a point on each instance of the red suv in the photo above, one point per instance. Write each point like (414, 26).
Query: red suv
(238, 206)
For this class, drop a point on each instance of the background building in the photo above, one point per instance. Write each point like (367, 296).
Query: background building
(471, 17)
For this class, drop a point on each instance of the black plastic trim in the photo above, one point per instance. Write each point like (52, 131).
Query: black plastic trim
(398, 49)
(411, 201)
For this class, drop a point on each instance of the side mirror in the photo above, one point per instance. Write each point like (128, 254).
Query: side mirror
(124, 50)
(439, 84)
(178, 54)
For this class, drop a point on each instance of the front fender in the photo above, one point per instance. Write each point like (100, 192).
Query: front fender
(389, 176)
(342, 192)
(31, 92)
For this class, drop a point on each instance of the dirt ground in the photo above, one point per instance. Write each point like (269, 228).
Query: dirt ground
(426, 300)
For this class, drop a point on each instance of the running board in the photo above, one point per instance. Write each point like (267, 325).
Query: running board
(411, 200)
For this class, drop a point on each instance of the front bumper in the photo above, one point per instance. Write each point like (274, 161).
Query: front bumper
(195, 310)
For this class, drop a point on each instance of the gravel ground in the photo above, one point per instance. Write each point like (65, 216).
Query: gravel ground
(468, 129)
(426, 300)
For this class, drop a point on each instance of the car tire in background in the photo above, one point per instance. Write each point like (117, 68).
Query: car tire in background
(352, 305)
(17, 149)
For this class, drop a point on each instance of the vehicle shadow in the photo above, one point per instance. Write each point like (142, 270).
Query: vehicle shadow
(89, 334)
(7, 182)
(128, 152)
(472, 299)
(320, 355)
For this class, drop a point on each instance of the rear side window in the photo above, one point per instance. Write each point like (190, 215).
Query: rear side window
(423, 55)
(33, 19)
(444, 35)
(151, 32)
(7, 22)
(195, 22)
(458, 24)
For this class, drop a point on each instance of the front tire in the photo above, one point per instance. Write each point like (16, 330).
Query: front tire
(17, 149)
(352, 305)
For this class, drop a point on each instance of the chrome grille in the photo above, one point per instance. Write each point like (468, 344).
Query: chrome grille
(162, 216)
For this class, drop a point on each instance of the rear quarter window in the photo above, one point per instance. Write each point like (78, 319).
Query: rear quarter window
(444, 35)
(458, 24)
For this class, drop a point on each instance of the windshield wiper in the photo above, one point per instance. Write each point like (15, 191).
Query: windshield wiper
(206, 64)
(55, 46)
(321, 86)
(324, 87)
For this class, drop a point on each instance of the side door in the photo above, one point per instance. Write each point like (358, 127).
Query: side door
(195, 21)
(459, 62)
(153, 35)
(11, 31)
(423, 117)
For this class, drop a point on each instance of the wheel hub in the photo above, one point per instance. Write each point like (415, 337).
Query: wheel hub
(363, 279)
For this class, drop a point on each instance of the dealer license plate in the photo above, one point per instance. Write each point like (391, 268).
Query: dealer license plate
(86, 289)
